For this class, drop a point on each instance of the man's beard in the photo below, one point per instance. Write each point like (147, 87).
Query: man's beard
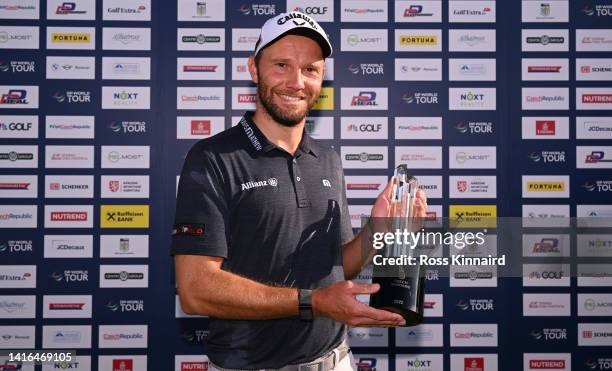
(287, 119)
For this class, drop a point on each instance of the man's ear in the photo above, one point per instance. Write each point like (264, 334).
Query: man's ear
(252, 69)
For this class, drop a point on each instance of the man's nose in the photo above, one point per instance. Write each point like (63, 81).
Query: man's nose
(296, 79)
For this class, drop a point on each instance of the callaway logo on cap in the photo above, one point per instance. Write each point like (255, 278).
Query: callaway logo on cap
(293, 23)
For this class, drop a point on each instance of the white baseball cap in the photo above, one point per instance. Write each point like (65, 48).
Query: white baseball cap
(293, 23)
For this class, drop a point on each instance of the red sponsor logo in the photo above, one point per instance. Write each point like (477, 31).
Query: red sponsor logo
(462, 186)
(473, 364)
(194, 366)
(247, 98)
(68, 216)
(587, 334)
(429, 304)
(362, 186)
(585, 69)
(200, 68)
(189, 229)
(123, 365)
(597, 98)
(113, 185)
(547, 364)
(431, 215)
(19, 186)
(54, 186)
(241, 68)
(538, 69)
(545, 127)
(66, 306)
(200, 127)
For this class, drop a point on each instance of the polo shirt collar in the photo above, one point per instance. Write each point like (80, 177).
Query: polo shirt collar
(261, 144)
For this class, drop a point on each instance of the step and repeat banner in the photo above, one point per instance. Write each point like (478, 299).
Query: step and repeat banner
(501, 108)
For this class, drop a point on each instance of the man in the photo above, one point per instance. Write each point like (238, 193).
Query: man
(263, 241)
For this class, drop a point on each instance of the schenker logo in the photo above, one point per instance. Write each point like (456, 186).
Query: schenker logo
(273, 182)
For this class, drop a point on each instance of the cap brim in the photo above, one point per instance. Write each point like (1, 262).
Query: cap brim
(306, 32)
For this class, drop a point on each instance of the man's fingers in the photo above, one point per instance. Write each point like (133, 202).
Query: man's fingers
(378, 315)
(387, 191)
(368, 322)
(421, 195)
(365, 288)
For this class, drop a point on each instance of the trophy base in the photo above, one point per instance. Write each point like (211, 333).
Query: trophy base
(412, 318)
(404, 296)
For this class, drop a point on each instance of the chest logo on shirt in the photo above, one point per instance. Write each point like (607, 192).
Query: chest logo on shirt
(326, 183)
(273, 182)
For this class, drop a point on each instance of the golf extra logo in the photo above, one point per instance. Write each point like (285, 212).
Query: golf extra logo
(273, 182)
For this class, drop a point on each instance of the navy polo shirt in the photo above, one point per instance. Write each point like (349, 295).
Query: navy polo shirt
(274, 218)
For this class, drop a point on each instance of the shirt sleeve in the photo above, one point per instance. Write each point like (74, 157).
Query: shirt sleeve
(346, 229)
(201, 221)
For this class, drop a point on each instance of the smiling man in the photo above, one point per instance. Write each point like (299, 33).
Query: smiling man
(262, 237)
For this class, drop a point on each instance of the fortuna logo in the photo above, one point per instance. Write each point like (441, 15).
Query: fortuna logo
(259, 183)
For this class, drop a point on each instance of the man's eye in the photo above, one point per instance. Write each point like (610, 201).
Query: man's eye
(282, 65)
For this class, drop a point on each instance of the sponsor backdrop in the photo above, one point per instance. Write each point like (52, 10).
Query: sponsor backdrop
(502, 108)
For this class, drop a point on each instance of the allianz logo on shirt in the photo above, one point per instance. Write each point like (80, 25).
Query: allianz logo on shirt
(259, 183)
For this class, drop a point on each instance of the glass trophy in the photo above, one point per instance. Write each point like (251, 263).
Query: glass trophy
(401, 286)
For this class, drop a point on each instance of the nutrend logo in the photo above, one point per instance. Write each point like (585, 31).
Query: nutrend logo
(68, 216)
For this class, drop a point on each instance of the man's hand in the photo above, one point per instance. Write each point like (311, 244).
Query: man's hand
(383, 203)
(338, 302)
